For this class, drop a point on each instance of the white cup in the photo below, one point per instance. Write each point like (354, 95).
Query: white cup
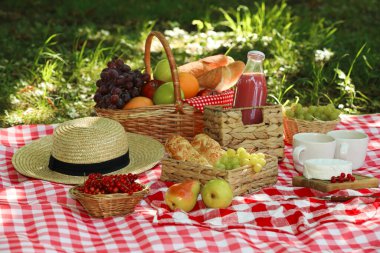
(311, 146)
(350, 146)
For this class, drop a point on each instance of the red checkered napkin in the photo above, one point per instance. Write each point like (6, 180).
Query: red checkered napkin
(268, 209)
(225, 98)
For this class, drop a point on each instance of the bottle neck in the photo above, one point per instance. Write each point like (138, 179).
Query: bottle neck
(254, 66)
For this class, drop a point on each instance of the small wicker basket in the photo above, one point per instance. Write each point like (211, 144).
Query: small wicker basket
(159, 121)
(226, 127)
(243, 180)
(294, 126)
(107, 205)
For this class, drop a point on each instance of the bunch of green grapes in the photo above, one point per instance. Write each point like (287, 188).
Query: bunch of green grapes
(234, 159)
(324, 113)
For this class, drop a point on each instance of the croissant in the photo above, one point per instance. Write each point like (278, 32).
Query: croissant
(207, 147)
(180, 149)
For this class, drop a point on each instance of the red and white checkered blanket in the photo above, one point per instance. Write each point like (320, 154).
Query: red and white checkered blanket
(40, 216)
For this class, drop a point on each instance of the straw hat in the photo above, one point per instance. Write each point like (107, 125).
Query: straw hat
(81, 146)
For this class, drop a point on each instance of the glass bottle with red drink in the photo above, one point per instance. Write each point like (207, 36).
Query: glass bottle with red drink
(251, 88)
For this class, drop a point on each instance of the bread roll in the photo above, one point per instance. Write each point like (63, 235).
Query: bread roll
(222, 78)
(180, 149)
(200, 67)
(207, 147)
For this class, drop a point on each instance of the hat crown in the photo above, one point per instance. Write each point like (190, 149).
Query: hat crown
(89, 140)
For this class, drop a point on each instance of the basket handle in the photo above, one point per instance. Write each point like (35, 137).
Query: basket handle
(172, 64)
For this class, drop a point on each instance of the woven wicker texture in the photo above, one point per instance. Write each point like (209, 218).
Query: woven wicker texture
(107, 205)
(32, 160)
(243, 180)
(226, 127)
(159, 121)
(294, 126)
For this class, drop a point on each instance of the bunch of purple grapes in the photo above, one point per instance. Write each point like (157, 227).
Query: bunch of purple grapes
(118, 84)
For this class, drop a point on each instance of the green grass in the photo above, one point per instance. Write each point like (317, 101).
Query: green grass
(52, 54)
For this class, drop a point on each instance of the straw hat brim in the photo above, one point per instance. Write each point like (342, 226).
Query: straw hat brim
(32, 160)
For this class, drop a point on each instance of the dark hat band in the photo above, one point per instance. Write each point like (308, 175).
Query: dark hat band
(75, 169)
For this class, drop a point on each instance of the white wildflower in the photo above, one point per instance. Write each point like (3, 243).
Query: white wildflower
(46, 86)
(194, 49)
(123, 41)
(348, 88)
(340, 84)
(221, 34)
(203, 35)
(86, 78)
(213, 44)
(254, 36)
(241, 39)
(38, 92)
(176, 32)
(229, 43)
(340, 106)
(28, 111)
(14, 100)
(104, 33)
(266, 40)
(186, 37)
(72, 113)
(211, 33)
(156, 46)
(323, 55)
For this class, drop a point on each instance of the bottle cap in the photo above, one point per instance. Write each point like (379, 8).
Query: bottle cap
(256, 55)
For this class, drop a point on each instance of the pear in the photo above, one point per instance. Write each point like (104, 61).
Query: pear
(183, 195)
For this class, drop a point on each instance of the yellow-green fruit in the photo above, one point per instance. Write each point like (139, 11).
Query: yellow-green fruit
(165, 94)
(217, 193)
(162, 71)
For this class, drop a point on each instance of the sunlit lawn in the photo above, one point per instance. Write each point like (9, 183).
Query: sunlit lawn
(318, 52)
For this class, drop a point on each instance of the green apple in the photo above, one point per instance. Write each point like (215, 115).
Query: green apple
(165, 94)
(217, 193)
(162, 71)
(183, 195)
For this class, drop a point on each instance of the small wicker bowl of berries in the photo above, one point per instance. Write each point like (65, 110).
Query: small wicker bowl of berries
(109, 195)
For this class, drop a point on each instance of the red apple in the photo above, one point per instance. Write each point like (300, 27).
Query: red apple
(149, 89)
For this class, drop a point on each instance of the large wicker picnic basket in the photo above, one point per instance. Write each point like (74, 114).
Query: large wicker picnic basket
(159, 121)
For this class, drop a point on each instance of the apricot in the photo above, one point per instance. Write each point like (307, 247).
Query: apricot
(138, 102)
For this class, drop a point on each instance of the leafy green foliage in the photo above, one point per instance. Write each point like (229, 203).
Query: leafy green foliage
(317, 52)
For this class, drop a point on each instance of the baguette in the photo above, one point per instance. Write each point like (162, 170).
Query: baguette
(207, 147)
(180, 149)
(222, 78)
(198, 68)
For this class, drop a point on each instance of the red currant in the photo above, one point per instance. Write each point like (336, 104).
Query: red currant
(97, 183)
